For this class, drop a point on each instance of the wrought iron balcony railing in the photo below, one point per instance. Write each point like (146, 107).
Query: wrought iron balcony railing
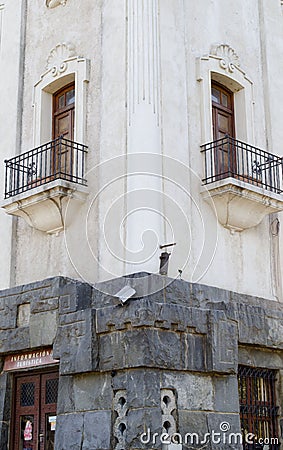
(228, 157)
(59, 159)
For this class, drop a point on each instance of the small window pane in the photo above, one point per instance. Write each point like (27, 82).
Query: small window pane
(224, 100)
(215, 95)
(70, 97)
(61, 101)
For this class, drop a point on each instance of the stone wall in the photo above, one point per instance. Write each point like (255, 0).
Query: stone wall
(119, 363)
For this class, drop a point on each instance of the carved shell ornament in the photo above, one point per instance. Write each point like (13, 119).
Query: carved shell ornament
(56, 61)
(228, 58)
(54, 3)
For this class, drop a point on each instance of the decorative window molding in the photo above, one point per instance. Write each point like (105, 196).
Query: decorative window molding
(228, 58)
(53, 3)
(58, 57)
(63, 66)
(223, 65)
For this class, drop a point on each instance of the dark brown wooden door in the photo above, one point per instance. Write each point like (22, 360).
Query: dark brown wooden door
(35, 399)
(64, 112)
(223, 125)
(63, 126)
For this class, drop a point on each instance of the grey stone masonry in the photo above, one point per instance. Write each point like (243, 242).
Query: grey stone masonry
(115, 359)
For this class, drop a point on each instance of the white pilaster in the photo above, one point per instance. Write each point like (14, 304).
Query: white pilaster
(144, 183)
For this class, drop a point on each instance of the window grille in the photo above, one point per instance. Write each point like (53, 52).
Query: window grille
(51, 392)
(27, 394)
(258, 410)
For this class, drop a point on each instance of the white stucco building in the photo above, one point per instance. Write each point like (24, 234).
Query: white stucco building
(128, 126)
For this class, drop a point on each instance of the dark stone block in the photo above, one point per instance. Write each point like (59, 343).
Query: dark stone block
(112, 351)
(274, 331)
(225, 431)
(202, 294)
(8, 315)
(119, 379)
(226, 394)
(44, 304)
(43, 328)
(194, 392)
(252, 325)
(75, 344)
(69, 432)
(271, 359)
(193, 429)
(97, 430)
(78, 297)
(65, 402)
(194, 352)
(138, 422)
(178, 291)
(92, 391)
(222, 343)
(14, 340)
(143, 388)
(200, 320)
(140, 347)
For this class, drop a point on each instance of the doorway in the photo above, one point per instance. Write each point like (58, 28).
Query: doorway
(63, 130)
(35, 403)
(223, 129)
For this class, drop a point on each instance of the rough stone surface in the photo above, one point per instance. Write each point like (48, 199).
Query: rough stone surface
(193, 428)
(43, 328)
(224, 425)
(65, 402)
(226, 394)
(141, 347)
(194, 392)
(71, 432)
(75, 344)
(92, 391)
(223, 343)
(97, 433)
(139, 420)
(143, 388)
(186, 338)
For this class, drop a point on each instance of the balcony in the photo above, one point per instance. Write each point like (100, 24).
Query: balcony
(41, 183)
(242, 183)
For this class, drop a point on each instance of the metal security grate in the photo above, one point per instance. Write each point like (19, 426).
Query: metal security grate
(258, 410)
(51, 391)
(27, 394)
